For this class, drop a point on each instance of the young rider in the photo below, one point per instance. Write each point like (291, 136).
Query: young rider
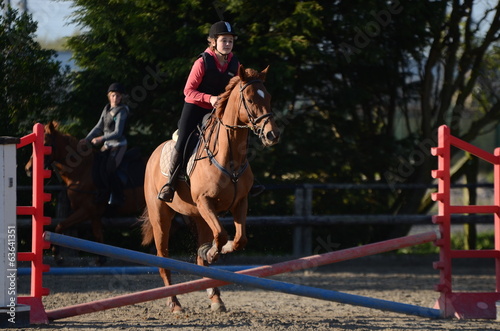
(208, 78)
(109, 135)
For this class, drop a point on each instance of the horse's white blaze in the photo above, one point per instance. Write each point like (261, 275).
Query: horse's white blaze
(261, 93)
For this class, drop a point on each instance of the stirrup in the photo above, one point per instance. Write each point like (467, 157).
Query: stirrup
(166, 193)
(116, 199)
(256, 190)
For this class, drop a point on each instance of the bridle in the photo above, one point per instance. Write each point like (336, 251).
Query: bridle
(259, 131)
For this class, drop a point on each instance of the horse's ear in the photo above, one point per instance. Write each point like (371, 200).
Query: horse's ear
(241, 71)
(263, 74)
(52, 126)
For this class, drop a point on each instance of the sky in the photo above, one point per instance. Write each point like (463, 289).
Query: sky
(52, 17)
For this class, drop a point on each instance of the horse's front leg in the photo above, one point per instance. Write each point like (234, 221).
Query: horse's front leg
(204, 234)
(206, 209)
(239, 213)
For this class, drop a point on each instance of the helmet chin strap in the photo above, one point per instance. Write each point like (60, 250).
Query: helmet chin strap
(217, 51)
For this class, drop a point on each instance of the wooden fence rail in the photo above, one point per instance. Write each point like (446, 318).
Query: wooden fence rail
(303, 220)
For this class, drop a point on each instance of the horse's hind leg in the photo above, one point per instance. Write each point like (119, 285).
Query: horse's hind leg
(161, 216)
(205, 237)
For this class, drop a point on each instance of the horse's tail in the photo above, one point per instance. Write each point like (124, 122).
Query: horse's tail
(146, 228)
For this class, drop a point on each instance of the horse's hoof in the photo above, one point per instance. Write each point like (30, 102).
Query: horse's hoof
(174, 305)
(218, 307)
(208, 253)
(177, 310)
(212, 255)
(203, 250)
(227, 248)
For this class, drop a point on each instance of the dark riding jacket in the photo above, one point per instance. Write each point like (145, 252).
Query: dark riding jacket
(111, 126)
(214, 82)
(206, 70)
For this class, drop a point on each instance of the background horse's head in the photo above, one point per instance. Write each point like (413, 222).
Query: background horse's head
(65, 150)
(49, 129)
(249, 96)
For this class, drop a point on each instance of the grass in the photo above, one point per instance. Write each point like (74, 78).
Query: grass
(484, 240)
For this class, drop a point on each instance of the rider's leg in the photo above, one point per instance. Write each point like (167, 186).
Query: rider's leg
(167, 191)
(191, 116)
(116, 185)
(116, 197)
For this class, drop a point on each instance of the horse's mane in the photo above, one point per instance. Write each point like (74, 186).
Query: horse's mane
(224, 97)
(71, 140)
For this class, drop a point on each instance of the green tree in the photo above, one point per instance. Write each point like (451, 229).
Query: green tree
(147, 45)
(359, 86)
(33, 85)
(368, 83)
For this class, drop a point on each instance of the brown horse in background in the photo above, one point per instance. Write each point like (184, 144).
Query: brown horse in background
(220, 180)
(74, 163)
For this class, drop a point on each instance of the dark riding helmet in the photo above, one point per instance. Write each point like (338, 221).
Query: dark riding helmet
(116, 87)
(221, 28)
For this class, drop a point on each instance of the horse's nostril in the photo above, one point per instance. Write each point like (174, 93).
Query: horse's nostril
(272, 136)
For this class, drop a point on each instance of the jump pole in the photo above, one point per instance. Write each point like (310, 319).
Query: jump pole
(242, 278)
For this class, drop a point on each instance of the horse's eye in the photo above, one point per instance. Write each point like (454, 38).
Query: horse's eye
(250, 101)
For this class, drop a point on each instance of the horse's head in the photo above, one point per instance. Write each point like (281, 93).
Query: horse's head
(254, 105)
(65, 150)
(47, 141)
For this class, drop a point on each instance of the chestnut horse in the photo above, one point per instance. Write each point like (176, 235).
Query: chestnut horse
(220, 180)
(73, 163)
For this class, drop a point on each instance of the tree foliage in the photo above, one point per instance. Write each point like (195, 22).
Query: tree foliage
(359, 86)
(32, 85)
(147, 45)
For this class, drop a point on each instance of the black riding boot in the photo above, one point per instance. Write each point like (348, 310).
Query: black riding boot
(116, 186)
(167, 191)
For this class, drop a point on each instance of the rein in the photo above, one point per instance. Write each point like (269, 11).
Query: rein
(234, 175)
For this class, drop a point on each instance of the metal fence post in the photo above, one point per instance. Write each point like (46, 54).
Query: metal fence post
(302, 234)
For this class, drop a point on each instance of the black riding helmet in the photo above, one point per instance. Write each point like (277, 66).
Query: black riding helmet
(116, 87)
(221, 28)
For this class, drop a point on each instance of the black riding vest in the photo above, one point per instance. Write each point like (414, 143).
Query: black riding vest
(214, 82)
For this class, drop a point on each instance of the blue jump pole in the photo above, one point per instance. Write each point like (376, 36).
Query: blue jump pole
(80, 271)
(262, 283)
